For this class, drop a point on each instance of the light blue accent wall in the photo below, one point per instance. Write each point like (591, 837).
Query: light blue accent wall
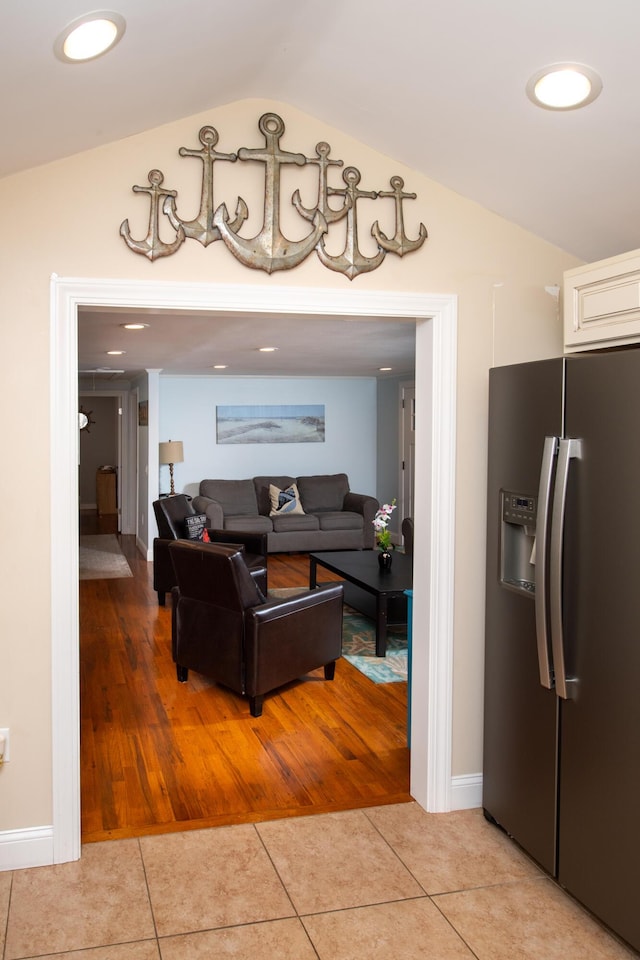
(188, 413)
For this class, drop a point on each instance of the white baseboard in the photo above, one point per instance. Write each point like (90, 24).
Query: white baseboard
(31, 847)
(146, 551)
(466, 792)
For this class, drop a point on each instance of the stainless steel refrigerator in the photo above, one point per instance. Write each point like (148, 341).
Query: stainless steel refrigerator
(562, 664)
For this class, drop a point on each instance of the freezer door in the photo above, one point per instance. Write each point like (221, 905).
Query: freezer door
(520, 720)
(599, 820)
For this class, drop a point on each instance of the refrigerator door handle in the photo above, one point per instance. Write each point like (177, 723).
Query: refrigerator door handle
(567, 451)
(542, 553)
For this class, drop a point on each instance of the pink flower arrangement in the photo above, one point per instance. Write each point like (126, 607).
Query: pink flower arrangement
(381, 525)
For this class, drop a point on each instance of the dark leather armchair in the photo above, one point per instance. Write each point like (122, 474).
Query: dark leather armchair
(223, 628)
(171, 513)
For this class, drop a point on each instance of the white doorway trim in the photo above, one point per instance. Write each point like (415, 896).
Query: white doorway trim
(436, 352)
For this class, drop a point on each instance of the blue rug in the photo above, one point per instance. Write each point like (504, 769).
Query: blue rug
(359, 648)
(359, 644)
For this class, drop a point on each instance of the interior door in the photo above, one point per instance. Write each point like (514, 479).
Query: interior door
(408, 438)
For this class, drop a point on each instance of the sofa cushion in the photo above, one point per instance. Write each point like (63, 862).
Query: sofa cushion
(340, 520)
(323, 492)
(261, 486)
(254, 524)
(284, 501)
(286, 523)
(237, 497)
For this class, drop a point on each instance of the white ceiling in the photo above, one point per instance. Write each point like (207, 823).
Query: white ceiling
(192, 343)
(437, 86)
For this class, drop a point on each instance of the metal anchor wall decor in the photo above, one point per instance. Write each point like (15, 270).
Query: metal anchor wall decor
(351, 262)
(400, 244)
(202, 227)
(270, 250)
(322, 152)
(152, 246)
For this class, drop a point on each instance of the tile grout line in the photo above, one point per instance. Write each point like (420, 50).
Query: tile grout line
(360, 906)
(146, 883)
(284, 887)
(395, 852)
(455, 930)
(276, 871)
(444, 893)
(429, 896)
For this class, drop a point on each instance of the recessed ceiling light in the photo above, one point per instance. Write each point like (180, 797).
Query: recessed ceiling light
(89, 36)
(384, 369)
(115, 353)
(267, 349)
(564, 86)
(220, 366)
(134, 326)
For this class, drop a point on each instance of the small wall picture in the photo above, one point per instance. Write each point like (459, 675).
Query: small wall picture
(297, 423)
(143, 413)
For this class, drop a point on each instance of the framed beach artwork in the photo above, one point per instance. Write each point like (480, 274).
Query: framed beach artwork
(256, 423)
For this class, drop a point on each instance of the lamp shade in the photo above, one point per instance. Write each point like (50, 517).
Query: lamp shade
(171, 451)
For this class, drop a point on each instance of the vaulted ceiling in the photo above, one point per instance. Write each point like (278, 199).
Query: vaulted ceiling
(438, 86)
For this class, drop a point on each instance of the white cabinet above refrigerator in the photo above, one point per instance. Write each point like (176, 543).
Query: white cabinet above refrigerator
(602, 303)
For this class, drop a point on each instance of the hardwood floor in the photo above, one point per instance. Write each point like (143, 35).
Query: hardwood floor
(158, 756)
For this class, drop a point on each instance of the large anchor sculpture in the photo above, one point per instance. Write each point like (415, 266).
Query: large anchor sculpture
(270, 250)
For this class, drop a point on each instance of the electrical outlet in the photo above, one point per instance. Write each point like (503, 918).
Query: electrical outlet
(4, 745)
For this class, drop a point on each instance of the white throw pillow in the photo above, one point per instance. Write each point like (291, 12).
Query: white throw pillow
(284, 501)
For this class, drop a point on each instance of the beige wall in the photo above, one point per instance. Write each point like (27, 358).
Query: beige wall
(64, 219)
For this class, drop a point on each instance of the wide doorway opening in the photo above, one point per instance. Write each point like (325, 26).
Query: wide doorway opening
(435, 343)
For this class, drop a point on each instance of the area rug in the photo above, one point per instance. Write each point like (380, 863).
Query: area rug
(359, 648)
(102, 559)
(359, 644)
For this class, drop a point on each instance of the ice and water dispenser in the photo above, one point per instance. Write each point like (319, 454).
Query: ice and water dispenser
(518, 541)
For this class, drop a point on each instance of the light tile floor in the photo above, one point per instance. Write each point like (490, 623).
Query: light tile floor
(386, 883)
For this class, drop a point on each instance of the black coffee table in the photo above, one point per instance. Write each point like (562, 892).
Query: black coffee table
(378, 595)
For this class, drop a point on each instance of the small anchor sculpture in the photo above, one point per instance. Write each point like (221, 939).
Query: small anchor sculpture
(202, 228)
(400, 243)
(270, 250)
(331, 216)
(351, 261)
(152, 246)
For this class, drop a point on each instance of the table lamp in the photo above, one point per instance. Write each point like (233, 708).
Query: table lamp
(171, 452)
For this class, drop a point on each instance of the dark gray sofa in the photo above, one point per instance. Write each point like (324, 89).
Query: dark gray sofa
(333, 518)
